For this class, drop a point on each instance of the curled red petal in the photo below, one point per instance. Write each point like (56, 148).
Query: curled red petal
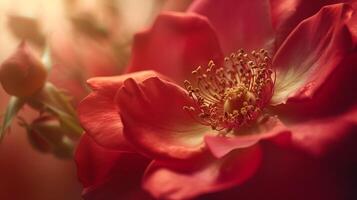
(334, 97)
(110, 84)
(155, 122)
(311, 53)
(286, 15)
(99, 114)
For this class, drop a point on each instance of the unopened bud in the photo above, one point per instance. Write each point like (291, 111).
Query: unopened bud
(38, 141)
(47, 135)
(22, 74)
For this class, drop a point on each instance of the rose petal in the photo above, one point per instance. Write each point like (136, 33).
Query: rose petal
(154, 119)
(108, 174)
(110, 84)
(99, 117)
(339, 85)
(326, 136)
(245, 24)
(286, 15)
(282, 10)
(172, 181)
(352, 23)
(175, 45)
(311, 53)
(221, 145)
(98, 112)
(294, 175)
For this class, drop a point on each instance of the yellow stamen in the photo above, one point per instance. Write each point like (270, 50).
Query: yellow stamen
(233, 95)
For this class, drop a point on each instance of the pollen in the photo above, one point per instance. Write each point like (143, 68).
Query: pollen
(233, 94)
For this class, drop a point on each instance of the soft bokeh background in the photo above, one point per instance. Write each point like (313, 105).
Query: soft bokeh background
(87, 38)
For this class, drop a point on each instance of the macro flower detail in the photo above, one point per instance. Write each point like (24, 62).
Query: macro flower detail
(206, 129)
(232, 96)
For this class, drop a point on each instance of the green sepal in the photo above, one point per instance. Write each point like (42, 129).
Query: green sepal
(56, 102)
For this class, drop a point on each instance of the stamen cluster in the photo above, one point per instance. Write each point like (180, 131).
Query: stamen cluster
(233, 95)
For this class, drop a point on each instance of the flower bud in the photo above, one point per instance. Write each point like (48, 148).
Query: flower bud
(39, 142)
(48, 136)
(22, 74)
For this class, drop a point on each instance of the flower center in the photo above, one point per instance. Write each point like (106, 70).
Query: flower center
(233, 95)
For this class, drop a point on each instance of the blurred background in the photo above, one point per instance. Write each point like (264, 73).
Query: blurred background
(86, 38)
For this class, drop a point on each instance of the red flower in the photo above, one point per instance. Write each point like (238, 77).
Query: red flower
(203, 135)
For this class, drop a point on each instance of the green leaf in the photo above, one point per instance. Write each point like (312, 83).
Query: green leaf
(15, 104)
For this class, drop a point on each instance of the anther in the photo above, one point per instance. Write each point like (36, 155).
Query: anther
(231, 96)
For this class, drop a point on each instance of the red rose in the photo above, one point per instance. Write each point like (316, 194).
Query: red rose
(207, 129)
